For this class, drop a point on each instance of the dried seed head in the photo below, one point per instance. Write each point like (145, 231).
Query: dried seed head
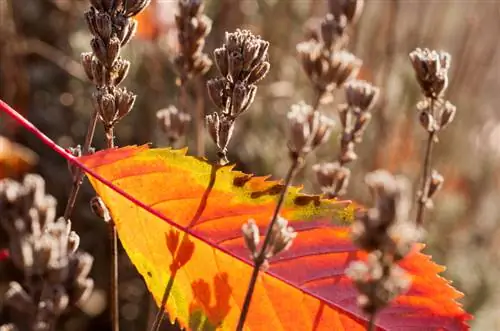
(251, 236)
(361, 95)
(193, 27)
(220, 128)
(333, 178)
(218, 91)
(427, 121)
(245, 54)
(242, 98)
(308, 128)
(392, 200)
(447, 115)
(431, 70)
(173, 123)
(327, 71)
(282, 237)
(86, 60)
(377, 283)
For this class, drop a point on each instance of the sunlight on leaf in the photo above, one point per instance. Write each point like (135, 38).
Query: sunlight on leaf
(194, 257)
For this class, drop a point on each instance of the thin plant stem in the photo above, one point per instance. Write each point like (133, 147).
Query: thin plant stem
(78, 178)
(422, 200)
(113, 241)
(200, 117)
(261, 258)
(371, 323)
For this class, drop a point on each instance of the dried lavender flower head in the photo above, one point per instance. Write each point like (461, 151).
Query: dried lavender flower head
(193, 28)
(378, 228)
(377, 284)
(308, 129)
(327, 70)
(431, 70)
(360, 95)
(333, 178)
(243, 57)
(44, 250)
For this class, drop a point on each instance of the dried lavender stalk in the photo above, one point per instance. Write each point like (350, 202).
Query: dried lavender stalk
(387, 234)
(242, 62)
(308, 129)
(191, 64)
(112, 26)
(44, 250)
(329, 67)
(436, 113)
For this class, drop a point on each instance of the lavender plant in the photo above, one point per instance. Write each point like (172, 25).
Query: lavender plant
(44, 253)
(192, 64)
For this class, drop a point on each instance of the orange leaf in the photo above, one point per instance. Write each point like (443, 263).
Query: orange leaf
(186, 242)
(15, 159)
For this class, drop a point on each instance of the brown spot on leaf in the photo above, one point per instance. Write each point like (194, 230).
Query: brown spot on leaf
(242, 180)
(304, 200)
(273, 190)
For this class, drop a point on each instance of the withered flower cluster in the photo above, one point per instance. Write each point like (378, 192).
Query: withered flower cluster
(281, 239)
(435, 113)
(44, 251)
(308, 129)
(193, 28)
(324, 58)
(242, 62)
(354, 116)
(112, 26)
(386, 232)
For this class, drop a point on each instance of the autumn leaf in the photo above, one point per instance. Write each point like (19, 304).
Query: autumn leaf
(15, 160)
(179, 218)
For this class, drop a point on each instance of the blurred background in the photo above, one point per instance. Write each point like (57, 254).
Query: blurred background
(40, 75)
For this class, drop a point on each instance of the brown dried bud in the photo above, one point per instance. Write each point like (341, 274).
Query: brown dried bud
(235, 66)
(333, 178)
(362, 121)
(361, 95)
(124, 102)
(217, 92)
(242, 99)
(308, 128)
(220, 129)
(119, 71)
(86, 59)
(427, 121)
(99, 73)
(105, 105)
(281, 238)
(113, 50)
(172, 122)
(103, 26)
(448, 112)
(251, 236)
(127, 30)
(221, 60)
(100, 49)
(431, 70)
(259, 73)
